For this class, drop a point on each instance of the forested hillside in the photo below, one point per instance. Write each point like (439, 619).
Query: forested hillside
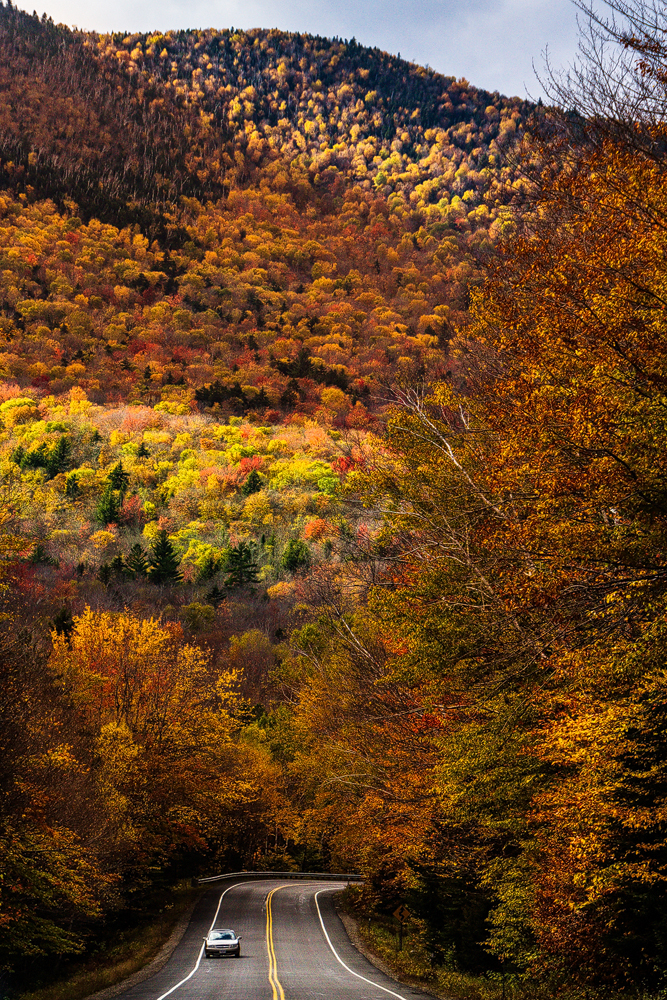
(149, 118)
(332, 447)
(352, 197)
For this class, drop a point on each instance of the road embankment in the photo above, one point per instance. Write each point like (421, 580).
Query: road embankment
(139, 956)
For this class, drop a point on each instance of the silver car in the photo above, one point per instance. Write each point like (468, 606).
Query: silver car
(222, 941)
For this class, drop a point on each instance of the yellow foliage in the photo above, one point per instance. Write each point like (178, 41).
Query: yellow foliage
(104, 540)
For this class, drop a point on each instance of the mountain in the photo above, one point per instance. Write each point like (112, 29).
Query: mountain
(148, 118)
(331, 532)
(217, 250)
(250, 216)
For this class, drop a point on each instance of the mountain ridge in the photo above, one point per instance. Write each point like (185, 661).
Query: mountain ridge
(243, 100)
(246, 197)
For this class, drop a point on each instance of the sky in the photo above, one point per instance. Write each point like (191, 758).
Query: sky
(493, 43)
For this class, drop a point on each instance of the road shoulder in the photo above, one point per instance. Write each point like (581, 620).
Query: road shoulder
(352, 930)
(155, 965)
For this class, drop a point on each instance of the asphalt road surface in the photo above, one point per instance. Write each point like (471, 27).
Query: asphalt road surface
(293, 947)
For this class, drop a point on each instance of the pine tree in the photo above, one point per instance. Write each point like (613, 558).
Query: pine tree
(143, 451)
(253, 484)
(109, 506)
(209, 566)
(295, 556)
(58, 458)
(136, 562)
(163, 562)
(118, 479)
(117, 565)
(63, 622)
(72, 486)
(215, 596)
(241, 567)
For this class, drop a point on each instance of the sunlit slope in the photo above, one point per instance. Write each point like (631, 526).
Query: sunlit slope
(145, 119)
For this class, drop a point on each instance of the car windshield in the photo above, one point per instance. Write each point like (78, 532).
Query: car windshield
(223, 936)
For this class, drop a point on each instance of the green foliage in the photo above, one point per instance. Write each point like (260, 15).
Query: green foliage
(52, 458)
(296, 556)
(253, 484)
(198, 616)
(59, 456)
(109, 506)
(118, 480)
(163, 562)
(117, 566)
(63, 882)
(328, 485)
(241, 567)
(209, 566)
(72, 486)
(215, 596)
(136, 562)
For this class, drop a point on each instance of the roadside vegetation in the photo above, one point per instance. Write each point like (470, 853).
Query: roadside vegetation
(332, 503)
(130, 950)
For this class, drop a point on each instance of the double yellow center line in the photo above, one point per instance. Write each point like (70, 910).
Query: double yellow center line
(278, 993)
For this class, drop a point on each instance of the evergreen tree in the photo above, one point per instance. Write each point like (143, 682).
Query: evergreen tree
(640, 930)
(136, 562)
(296, 556)
(253, 484)
(143, 451)
(58, 457)
(117, 565)
(118, 479)
(109, 506)
(209, 566)
(215, 596)
(63, 622)
(241, 567)
(52, 459)
(290, 395)
(163, 561)
(36, 458)
(72, 486)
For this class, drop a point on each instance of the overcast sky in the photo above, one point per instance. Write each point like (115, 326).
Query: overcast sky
(493, 43)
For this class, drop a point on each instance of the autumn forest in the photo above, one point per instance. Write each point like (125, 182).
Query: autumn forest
(333, 456)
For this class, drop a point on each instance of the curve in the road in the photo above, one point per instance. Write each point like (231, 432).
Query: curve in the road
(294, 948)
(201, 950)
(276, 985)
(341, 962)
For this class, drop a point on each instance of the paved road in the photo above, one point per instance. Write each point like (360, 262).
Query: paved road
(293, 947)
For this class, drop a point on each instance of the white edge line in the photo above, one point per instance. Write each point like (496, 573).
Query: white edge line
(201, 950)
(340, 960)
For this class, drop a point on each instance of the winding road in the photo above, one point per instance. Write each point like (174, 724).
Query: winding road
(293, 947)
